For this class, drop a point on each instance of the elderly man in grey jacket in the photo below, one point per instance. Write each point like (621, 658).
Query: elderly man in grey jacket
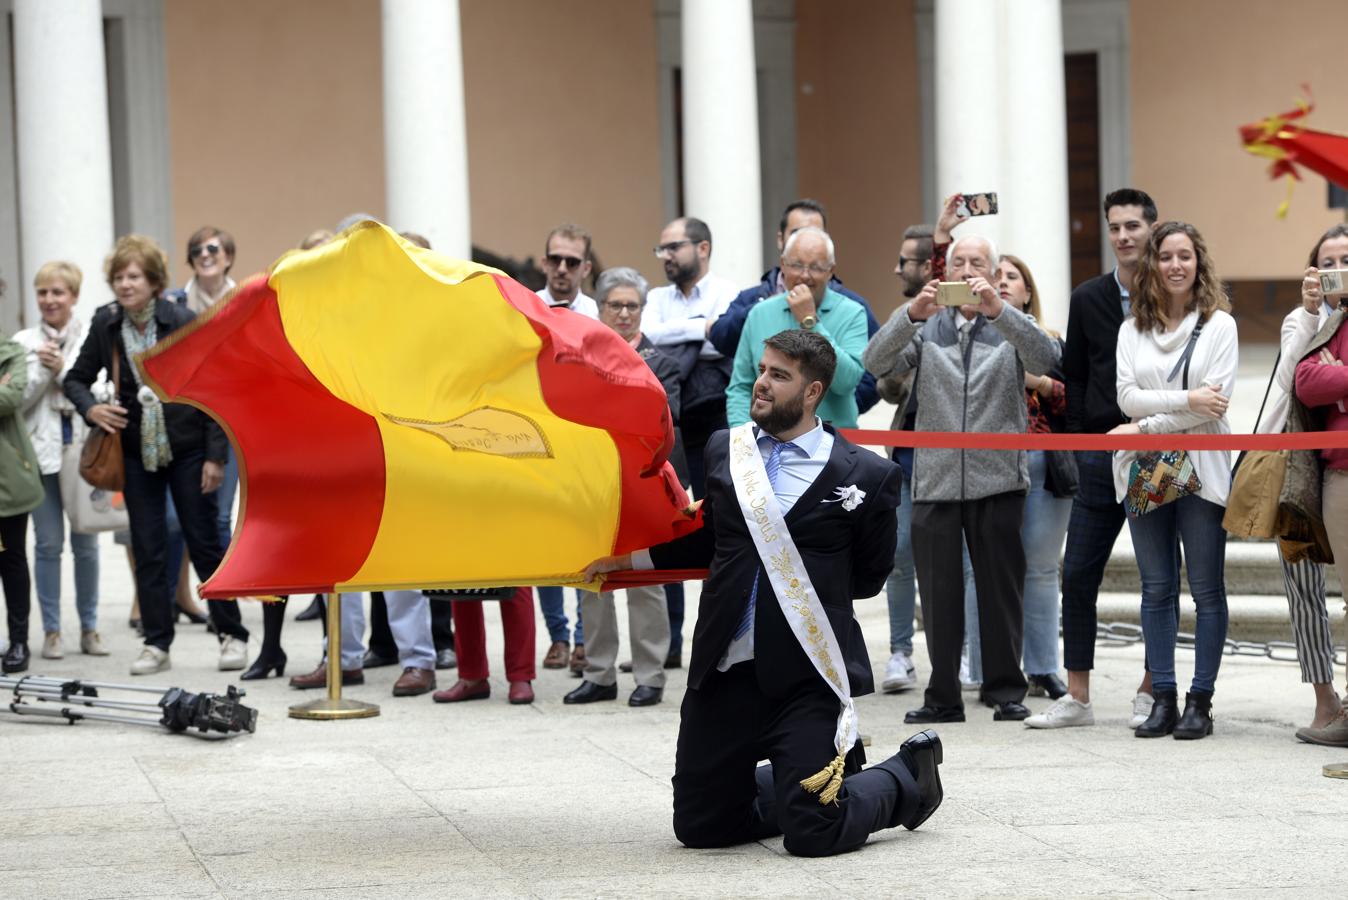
(970, 364)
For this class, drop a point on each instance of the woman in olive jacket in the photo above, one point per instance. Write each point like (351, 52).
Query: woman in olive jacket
(20, 494)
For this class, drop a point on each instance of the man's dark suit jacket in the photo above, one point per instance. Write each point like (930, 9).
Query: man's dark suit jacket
(1088, 360)
(848, 556)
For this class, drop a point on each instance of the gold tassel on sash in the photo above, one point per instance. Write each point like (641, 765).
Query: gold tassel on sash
(827, 782)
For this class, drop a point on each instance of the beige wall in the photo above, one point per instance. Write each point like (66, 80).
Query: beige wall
(275, 120)
(1202, 68)
(857, 114)
(563, 125)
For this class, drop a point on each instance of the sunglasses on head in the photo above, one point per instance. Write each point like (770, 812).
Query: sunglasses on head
(558, 260)
(199, 250)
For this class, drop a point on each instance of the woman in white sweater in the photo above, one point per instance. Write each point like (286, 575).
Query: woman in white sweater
(1176, 368)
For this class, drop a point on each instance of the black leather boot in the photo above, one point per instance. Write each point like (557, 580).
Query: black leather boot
(16, 657)
(1197, 719)
(1164, 714)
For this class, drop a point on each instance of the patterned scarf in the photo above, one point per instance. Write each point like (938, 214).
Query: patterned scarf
(155, 453)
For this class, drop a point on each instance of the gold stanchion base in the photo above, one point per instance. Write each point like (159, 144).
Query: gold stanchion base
(334, 708)
(1335, 770)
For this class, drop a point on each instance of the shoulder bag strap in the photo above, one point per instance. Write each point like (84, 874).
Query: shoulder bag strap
(1183, 362)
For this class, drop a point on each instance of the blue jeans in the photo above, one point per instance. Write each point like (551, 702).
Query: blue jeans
(901, 586)
(1042, 533)
(1198, 525)
(551, 602)
(225, 497)
(49, 532)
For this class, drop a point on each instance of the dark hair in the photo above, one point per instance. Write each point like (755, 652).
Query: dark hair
(1339, 230)
(696, 230)
(1132, 197)
(812, 351)
(1149, 300)
(204, 234)
(571, 231)
(806, 204)
(925, 242)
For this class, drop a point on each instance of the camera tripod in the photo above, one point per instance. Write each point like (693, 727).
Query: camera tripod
(176, 709)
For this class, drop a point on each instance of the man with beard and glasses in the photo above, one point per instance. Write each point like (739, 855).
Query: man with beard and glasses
(797, 524)
(678, 320)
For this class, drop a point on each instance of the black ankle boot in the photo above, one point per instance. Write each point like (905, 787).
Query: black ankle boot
(1197, 719)
(1164, 714)
(16, 657)
(271, 655)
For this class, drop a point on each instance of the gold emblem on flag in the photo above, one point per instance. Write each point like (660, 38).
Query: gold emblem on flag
(486, 429)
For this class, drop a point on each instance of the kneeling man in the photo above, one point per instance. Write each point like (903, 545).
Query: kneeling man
(797, 523)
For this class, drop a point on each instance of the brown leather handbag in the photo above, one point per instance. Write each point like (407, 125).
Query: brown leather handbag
(101, 461)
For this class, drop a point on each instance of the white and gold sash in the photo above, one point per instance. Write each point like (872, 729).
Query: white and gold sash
(795, 595)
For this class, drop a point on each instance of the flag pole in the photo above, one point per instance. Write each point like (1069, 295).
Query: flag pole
(334, 706)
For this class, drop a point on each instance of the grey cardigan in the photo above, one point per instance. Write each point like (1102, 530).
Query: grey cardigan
(980, 390)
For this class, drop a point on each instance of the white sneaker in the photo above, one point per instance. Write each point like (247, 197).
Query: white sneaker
(150, 661)
(51, 646)
(1142, 705)
(1065, 712)
(899, 674)
(967, 682)
(92, 644)
(233, 654)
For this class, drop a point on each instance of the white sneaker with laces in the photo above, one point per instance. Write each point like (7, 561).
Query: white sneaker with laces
(233, 654)
(1065, 712)
(1142, 705)
(899, 674)
(967, 682)
(92, 644)
(150, 661)
(51, 646)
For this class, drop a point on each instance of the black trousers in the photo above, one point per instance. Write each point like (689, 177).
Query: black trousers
(697, 425)
(1097, 518)
(721, 798)
(991, 527)
(197, 513)
(14, 575)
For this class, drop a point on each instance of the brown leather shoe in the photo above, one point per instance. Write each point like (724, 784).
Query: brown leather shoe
(557, 655)
(578, 660)
(318, 678)
(521, 692)
(464, 689)
(414, 681)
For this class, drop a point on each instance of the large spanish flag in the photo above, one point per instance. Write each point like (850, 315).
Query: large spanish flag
(403, 419)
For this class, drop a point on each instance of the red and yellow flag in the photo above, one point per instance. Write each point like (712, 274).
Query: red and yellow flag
(406, 420)
(1281, 139)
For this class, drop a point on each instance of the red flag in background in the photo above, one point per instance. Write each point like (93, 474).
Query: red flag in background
(1288, 145)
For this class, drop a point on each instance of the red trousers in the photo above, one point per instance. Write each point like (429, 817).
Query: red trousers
(470, 637)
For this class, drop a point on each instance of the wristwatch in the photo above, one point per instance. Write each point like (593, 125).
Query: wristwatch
(808, 323)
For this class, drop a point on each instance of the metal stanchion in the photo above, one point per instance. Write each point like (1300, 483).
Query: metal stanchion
(334, 706)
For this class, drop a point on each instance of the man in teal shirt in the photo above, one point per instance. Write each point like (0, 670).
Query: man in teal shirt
(807, 265)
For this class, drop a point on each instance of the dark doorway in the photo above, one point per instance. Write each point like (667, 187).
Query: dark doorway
(1083, 164)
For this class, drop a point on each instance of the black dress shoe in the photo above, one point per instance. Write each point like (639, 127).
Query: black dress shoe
(929, 714)
(922, 754)
(645, 695)
(16, 657)
(589, 692)
(313, 611)
(263, 666)
(1049, 686)
(1164, 715)
(192, 618)
(1010, 711)
(374, 660)
(446, 659)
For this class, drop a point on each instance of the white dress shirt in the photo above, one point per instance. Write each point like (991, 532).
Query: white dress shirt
(583, 304)
(673, 318)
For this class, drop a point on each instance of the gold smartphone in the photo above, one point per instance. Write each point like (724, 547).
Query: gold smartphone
(955, 293)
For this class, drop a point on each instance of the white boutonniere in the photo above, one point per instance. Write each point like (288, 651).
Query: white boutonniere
(850, 497)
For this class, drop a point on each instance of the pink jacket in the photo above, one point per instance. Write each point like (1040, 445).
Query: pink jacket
(1323, 385)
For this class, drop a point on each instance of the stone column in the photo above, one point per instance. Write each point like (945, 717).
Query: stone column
(1037, 225)
(425, 136)
(720, 133)
(968, 74)
(64, 152)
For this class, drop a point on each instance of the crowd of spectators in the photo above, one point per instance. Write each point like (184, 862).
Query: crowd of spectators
(1150, 348)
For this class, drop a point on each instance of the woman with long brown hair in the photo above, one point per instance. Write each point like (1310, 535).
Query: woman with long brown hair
(1176, 360)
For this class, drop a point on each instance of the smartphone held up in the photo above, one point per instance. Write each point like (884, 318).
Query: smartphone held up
(981, 204)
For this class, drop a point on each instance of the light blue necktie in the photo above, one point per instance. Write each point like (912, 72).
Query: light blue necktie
(773, 466)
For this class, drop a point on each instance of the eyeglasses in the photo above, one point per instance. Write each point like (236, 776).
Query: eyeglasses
(560, 261)
(198, 250)
(629, 308)
(813, 268)
(669, 249)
